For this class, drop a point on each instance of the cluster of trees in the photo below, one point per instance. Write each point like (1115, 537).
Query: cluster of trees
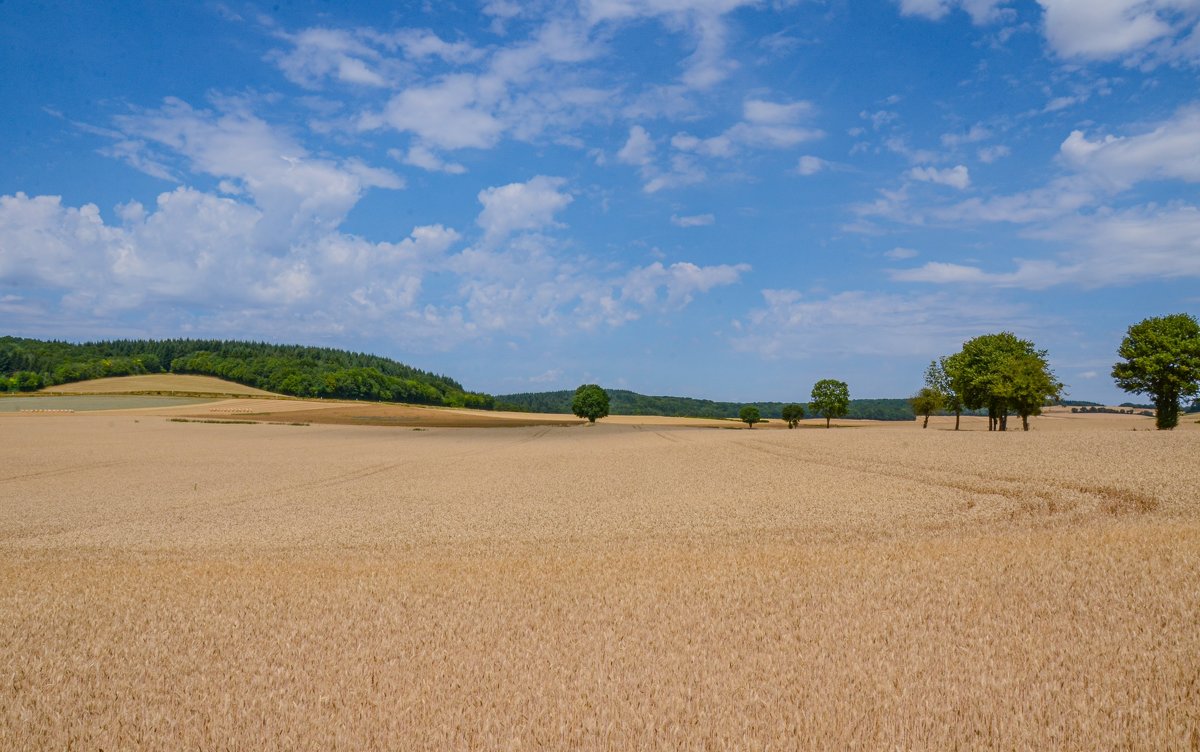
(28, 364)
(1000, 373)
(830, 399)
(1006, 375)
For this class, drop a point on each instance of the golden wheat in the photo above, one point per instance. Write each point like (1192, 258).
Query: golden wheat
(187, 585)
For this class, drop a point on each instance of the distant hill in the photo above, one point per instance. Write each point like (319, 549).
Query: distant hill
(29, 364)
(624, 402)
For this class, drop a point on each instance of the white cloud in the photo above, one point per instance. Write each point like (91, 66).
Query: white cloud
(448, 114)
(1105, 249)
(679, 282)
(694, 220)
(421, 44)
(521, 206)
(701, 19)
(794, 326)
(974, 134)
(901, 253)
(764, 124)
(318, 54)
(426, 159)
(1111, 29)
(683, 171)
(299, 195)
(1059, 198)
(989, 154)
(1170, 151)
(980, 11)
(810, 165)
(955, 177)
(638, 149)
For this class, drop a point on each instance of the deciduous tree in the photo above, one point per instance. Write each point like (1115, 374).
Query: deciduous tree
(750, 415)
(830, 399)
(590, 402)
(1161, 358)
(926, 402)
(793, 414)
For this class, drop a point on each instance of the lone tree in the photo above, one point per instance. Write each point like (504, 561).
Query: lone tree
(1161, 359)
(1002, 373)
(590, 402)
(792, 414)
(926, 402)
(750, 415)
(830, 399)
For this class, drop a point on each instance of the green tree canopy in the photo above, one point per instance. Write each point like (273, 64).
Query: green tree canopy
(830, 399)
(749, 415)
(1002, 373)
(1161, 358)
(927, 402)
(793, 414)
(590, 402)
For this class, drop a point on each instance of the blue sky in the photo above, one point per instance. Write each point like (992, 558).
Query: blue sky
(713, 198)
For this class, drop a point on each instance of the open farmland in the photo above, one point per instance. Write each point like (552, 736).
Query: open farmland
(186, 585)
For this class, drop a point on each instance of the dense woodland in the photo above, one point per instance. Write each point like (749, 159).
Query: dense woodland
(28, 364)
(631, 403)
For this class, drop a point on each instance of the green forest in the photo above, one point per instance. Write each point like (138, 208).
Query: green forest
(30, 364)
(631, 403)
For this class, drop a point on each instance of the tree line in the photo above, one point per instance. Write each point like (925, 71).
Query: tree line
(624, 402)
(30, 364)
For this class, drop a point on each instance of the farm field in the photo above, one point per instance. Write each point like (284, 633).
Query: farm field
(157, 382)
(636, 584)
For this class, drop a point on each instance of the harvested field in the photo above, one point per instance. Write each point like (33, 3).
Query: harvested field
(188, 585)
(157, 383)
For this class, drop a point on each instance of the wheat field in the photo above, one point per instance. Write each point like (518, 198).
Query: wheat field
(200, 586)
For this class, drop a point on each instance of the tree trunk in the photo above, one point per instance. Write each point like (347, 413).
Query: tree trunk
(1024, 422)
(1004, 422)
(1166, 412)
(926, 424)
(827, 422)
(957, 416)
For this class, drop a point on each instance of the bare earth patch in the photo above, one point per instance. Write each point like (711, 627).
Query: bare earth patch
(190, 585)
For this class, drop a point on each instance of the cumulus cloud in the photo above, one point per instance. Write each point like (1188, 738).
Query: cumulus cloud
(193, 248)
(638, 149)
(298, 194)
(521, 206)
(676, 285)
(955, 177)
(1171, 150)
(448, 114)
(1113, 29)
